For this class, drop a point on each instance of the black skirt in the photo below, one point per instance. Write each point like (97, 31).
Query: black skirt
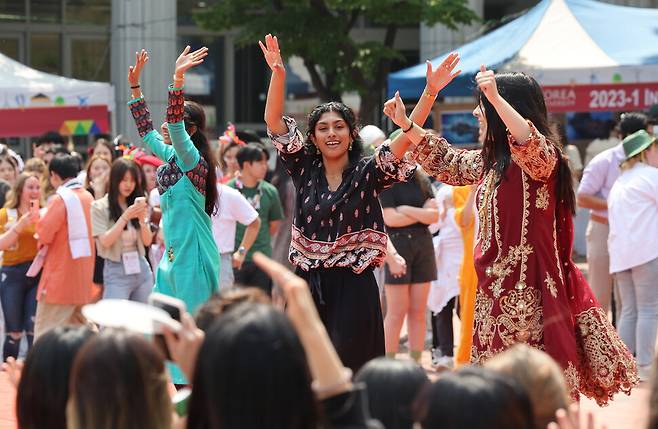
(348, 304)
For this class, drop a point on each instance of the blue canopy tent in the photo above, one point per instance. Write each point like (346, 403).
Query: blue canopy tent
(558, 42)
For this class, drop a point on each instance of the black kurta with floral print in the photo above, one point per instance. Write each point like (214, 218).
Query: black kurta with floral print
(343, 228)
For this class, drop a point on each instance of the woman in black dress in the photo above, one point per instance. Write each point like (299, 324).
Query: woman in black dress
(338, 230)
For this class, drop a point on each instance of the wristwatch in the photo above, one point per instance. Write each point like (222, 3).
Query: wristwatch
(242, 250)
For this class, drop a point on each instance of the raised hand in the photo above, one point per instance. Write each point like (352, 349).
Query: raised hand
(186, 60)
(395, 110)
(439, 78)
(486, 81)
(272, 53)
(141, 58)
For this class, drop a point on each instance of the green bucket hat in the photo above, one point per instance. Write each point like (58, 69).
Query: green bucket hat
(637, 142)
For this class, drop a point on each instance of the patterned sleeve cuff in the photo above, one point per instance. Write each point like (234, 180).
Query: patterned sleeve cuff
(290, 142)
(456, 167)
(536, 156)
(141, 115)
(392, 166)
(176, 106)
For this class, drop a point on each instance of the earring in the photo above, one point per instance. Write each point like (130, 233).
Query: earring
(317, 150)
(350, 147)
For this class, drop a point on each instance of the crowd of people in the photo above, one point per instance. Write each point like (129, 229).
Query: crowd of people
(374, 231)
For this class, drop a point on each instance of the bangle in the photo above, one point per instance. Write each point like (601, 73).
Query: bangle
(135, 87)
(411, 125)
(321, 390)
(177, 78)
(428, 95)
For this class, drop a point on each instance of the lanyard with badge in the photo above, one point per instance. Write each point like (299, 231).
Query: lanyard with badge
(129, 253)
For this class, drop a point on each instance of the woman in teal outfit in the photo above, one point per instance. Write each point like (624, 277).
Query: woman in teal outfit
(189, 269)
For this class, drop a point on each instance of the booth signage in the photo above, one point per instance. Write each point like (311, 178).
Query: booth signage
(604, 97)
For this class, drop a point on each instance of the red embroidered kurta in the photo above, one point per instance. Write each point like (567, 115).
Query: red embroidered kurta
(529, 290)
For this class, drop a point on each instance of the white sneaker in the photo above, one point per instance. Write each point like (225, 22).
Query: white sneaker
(447, 362)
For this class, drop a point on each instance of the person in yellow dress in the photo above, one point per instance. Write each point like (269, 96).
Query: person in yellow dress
(463, 198)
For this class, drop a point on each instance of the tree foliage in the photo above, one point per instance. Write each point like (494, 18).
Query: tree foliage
(318, 31)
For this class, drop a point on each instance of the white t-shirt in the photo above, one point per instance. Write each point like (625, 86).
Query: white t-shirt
(154, 197)
(633, 218)
(233, 207)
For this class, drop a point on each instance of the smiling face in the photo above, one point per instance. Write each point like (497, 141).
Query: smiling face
(31, 190)
(102, 150)
(478, 112)
(331, 135)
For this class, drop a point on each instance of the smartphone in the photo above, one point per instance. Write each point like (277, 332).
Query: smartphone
(34, 206)
(140, 200)
(175, 308)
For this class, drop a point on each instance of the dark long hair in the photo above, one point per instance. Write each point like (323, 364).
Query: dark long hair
(474, 398)
(44, 386)
(524, 94)
(348, 116)
(120, 167)
(252, 373)
(195, 116)
(392, 386)
(119, 381)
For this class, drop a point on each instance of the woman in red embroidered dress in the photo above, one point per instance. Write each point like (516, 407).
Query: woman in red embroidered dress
(529, 290)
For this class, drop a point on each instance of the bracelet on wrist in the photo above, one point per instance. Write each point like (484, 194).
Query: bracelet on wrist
(429, 95)
(135, 87)
(411, 125)
(178, 78)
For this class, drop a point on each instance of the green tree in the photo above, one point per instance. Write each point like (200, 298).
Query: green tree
(318, 31)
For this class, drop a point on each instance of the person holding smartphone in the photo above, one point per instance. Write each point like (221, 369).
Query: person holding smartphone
(17, 291)
(121, 232)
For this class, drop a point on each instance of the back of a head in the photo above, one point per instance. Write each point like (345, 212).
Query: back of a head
(66, 166)
(224, 301)
(251, 152)
(631, 122)
(118, 381)
(474, 398)
(252, 373)
(51, 137)
(43, 389)
(539, 375)
(392, 386)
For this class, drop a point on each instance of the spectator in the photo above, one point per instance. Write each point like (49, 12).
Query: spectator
(46, 142)
(66, 280)
(599, 145)
(264, 198)
(17, 291)
(43, 389)
(104, 148)
(36, 166)
(372, 137)
(633, 214)
(8, 169)
(599, 176)
(392, 387)
(118, 381)
(97, 178)
(539, 375)
(224, 301)
(408, 209)
(233, 209)
(119, 225)
(474, 398)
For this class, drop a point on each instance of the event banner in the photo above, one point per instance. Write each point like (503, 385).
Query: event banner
(604, 97)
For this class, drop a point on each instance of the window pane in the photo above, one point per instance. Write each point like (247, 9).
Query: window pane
(12, 10)
(9, 47)
(46, 11)
(88, 12)
(91, 59)
(45, 53)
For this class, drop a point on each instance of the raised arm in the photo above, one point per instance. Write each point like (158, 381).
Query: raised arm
(277, 89)
(449, 165)
(187, 154)
(141, 113)
(437, 79)
(529, 148)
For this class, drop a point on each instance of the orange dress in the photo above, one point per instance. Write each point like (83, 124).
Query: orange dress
(468, 280)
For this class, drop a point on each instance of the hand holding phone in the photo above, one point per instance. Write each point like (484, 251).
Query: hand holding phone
(34, 209)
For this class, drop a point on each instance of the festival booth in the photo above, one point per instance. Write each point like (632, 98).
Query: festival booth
(33, 102)
(589, 57)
